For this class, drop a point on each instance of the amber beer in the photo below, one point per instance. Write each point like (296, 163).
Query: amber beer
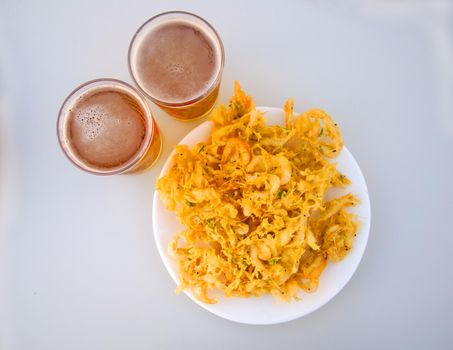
(176, 59)
(105, 127)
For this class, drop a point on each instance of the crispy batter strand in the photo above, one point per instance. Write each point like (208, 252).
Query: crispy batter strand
(252, 199)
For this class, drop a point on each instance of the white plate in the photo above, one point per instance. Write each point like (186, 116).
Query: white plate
(266, 310)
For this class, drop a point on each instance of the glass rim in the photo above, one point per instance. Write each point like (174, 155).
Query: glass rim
(211, 87)
(61, 129)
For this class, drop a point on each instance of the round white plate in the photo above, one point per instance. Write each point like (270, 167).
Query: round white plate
(266, 310)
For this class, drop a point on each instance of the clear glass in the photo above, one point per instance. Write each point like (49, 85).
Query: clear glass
(195, 107)
(151, 145)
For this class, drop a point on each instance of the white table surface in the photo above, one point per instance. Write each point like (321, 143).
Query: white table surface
(78, 265)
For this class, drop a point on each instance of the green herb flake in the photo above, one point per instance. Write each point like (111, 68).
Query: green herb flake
(210, 223)
(190, 204)
(201, 148)
(321, 132)
(273, 261)
(234, 105)
(281, 194)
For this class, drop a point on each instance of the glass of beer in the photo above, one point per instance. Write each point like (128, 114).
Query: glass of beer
(105, 127)
(176, 59)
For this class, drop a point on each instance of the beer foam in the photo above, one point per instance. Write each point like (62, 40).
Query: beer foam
(176, 61)
(106, 128)
(92, 121)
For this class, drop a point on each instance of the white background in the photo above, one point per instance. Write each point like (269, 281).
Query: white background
(78, 264)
